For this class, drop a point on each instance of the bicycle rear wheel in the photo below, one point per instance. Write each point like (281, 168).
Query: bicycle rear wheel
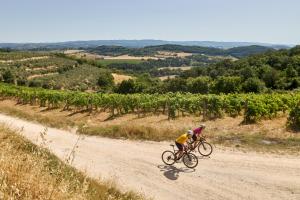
(168, 157)
(205, 149)
(190, 160)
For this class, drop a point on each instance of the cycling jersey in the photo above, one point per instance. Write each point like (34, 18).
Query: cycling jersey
(198, 131)
(182, 139)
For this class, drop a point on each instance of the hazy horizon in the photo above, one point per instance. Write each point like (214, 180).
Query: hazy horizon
(258, 21)
(217, 41)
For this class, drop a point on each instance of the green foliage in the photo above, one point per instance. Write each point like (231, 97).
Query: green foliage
(291, 72)
(294, 118)
(270, 78)
(18, 55)
(105, 79)
(81, 78)
(227, 85)
(254, 107)
(152, 50)
(199, 85)
(106, 62)
(175, 85)
(295, 51)
(126, 87)
(254, 85)
(8, 77)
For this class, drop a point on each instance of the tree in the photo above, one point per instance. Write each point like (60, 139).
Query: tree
(291, 72)
(227, 85)
(253, 85)
(105, 80)
(8, 77)
(126, 87)
(270, 78)
(248, 72)
(175, 85)
(295, 51)
(199, 85)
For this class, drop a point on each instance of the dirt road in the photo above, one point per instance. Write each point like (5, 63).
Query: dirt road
(138, 166)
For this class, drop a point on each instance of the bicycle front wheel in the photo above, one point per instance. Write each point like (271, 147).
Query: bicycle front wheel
(190, 160)
(168, 157)
(205, 149)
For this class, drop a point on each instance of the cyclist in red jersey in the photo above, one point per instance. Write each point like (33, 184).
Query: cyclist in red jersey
(196, 133)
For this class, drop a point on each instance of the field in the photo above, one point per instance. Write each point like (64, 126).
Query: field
(174, 68)
(26, 66)
(106, 62)
(118, 78)
(162, 78)
(230, 120)
(253, 107)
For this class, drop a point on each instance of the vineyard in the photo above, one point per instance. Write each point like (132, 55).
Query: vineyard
(20, 55)
(253, 107)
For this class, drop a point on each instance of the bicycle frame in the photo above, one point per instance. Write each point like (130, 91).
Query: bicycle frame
(199, 141)
(185, 151)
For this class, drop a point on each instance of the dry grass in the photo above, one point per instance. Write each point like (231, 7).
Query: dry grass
(162, 78)
(174, 68)
(128, 57)
(118, 78)
(24, 59)
(168, 54)
(159, 55)
(92, 56)
(41, 75)
(30, 172)
(226, 131)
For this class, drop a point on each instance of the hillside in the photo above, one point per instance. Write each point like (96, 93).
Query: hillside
(195, 73)
(153, 50)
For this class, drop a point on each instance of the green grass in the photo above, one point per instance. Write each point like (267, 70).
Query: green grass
(106, 62)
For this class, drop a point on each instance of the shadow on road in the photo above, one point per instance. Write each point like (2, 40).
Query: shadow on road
(172, 172)
(203, 157)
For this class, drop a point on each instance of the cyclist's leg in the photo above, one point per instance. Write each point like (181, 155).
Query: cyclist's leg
(179, 153)
(195, 142)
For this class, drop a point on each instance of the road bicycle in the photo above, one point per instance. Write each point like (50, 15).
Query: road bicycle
(189, 159)
(204, 148)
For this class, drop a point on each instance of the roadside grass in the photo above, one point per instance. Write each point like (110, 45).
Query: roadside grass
(55, 122)
(258, 142)
(131, 132)
(270, 135)
(31, 172)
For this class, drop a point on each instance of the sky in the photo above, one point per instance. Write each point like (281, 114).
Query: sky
(271, 21)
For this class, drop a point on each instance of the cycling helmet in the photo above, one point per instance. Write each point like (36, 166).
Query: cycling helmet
(190, 132)
(202, 126)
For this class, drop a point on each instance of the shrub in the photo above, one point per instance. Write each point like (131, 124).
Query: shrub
(253, 85)
(294, 118)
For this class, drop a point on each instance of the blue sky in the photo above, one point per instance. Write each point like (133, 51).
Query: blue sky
(273, 21)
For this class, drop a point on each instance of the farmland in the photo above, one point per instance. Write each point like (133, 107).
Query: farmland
(253, 107)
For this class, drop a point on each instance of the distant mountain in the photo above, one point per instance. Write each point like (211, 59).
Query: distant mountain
(133, 43)
(237, 52)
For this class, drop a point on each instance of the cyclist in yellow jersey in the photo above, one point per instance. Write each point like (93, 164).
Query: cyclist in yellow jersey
(181, 140)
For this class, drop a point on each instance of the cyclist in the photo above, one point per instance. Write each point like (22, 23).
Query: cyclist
(196, 133)
(180, 142)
